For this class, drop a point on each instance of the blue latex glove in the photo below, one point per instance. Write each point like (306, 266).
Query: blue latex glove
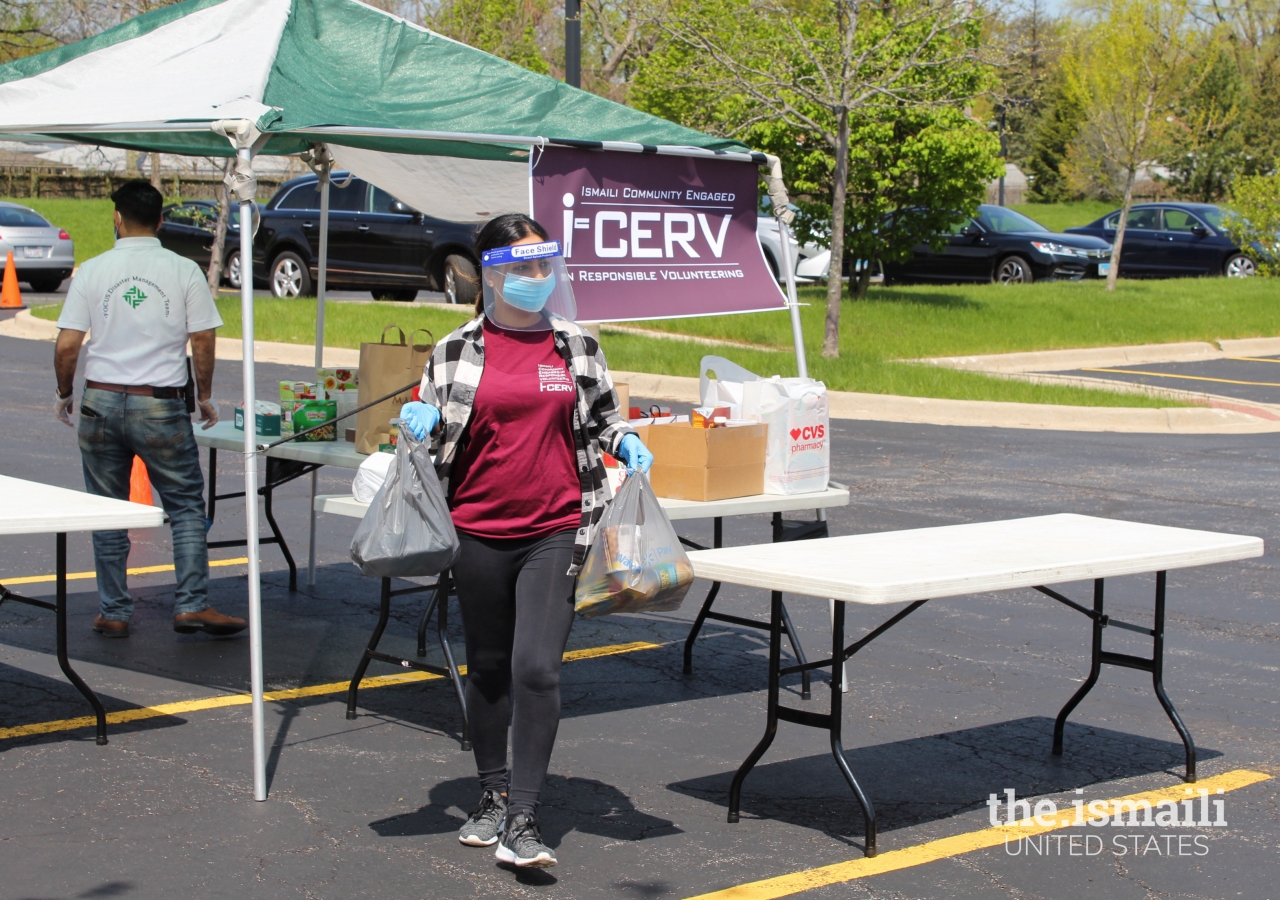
(420, 418)
(635, 454)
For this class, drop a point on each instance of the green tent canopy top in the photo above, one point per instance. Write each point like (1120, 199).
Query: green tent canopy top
(305, 71)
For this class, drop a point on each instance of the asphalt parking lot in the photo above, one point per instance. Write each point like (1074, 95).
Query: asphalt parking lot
(953, 705)
(1244, 378)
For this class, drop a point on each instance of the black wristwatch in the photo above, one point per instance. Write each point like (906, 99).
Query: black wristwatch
(62, 396)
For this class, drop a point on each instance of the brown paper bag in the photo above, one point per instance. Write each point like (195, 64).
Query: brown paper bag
(385, 368)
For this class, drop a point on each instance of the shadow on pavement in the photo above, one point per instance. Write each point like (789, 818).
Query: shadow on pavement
(927, 779)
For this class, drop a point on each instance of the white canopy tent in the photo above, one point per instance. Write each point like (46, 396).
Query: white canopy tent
(336, 81)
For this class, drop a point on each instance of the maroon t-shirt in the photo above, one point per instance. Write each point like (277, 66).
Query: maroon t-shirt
(516, 476)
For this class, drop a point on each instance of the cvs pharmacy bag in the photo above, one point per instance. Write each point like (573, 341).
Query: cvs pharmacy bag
(798, 452)
(407, 530)
(636, 563)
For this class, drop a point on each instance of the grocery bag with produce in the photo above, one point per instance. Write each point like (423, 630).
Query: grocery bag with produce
(636, 563)
(407, 530)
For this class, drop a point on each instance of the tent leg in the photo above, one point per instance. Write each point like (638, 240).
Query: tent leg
(321, 273)
(251, 495)
(793, 303)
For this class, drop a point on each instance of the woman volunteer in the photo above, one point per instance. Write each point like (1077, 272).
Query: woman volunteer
(528, 409)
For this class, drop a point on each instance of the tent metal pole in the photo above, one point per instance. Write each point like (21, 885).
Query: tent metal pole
(251, 492)
(793, 303)
(322, 268)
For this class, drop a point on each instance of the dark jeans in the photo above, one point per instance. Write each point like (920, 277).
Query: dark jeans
(517, 609)
(113, 429)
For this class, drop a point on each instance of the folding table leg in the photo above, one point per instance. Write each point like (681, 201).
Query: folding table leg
(267, 491)
(697, 626)
(1157, 679)
(771, 724)
(1095, 667)
(442, 628)
(63, 662)
(798, 650)
(384, 613)
(837, 747)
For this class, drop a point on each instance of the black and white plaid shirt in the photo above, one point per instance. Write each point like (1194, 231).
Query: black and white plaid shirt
(453, 375)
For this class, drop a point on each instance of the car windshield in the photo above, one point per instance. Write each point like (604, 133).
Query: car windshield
(1004, 221)
(16, 217)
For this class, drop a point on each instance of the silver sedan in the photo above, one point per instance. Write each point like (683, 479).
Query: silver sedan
(43, 254)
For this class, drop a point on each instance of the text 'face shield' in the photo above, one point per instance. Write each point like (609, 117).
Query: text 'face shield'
(525, 284)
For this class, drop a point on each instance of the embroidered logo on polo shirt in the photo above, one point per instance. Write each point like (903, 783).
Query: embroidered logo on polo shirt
(553, 378)
(133, 296)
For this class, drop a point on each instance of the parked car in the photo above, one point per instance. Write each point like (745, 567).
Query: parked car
(376, 243)
(188, 229)
(771, 242)
(1170, 239)
(43, 254)
(1001, 245)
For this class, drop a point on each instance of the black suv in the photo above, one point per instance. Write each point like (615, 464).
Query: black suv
(376, 244)
(188, 230)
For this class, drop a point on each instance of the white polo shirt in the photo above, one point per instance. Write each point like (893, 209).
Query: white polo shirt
(140, 302)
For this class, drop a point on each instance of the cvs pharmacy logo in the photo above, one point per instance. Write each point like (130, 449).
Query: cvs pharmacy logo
(809, 433)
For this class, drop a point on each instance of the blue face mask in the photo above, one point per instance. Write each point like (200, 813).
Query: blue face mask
(528, 294)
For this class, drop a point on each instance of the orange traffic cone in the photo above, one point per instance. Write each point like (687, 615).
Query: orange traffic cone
(139, 483)
(10, 296)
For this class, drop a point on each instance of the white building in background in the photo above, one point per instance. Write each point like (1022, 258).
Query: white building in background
(1016, 186)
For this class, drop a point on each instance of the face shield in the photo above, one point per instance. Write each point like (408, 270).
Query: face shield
(525, 285)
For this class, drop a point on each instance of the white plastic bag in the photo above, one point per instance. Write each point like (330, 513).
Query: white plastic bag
(721, 383)
(407, 530)
(371, 475)
(798, 453)
(636, 563)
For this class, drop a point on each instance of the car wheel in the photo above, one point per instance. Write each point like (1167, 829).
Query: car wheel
(460, 281)
(289, 276)
(400, 295)
(231, 269)
(44, 285)
(1239, 266)
(1013, 270)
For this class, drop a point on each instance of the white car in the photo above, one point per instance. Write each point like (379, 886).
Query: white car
(801, 257)
(43, 254)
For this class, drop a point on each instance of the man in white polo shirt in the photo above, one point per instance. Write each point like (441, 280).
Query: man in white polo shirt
(142, 304)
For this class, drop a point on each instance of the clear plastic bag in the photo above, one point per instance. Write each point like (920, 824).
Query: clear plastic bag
(636, 563)
(407, 530)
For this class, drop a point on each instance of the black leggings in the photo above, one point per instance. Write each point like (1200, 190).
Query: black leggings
(517, 608)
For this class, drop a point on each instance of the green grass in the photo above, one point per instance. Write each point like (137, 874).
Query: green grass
(349, 324)
(1060, 216)
(87, 221)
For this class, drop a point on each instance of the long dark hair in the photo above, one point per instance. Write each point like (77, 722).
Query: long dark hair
(503, 231)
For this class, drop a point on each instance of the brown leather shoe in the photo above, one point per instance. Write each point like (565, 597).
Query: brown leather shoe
(210, 621)
(111, 628)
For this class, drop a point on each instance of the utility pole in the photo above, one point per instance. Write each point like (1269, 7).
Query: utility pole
(573, 43)
(1004, 151)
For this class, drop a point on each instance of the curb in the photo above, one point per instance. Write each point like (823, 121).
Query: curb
(989, 413)
(1226, 418)
(1107, 357)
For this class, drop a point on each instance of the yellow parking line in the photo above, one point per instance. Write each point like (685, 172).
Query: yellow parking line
(1183, 377)
(1253, 359)
(945, 848)
(140, 570)
(313, 690)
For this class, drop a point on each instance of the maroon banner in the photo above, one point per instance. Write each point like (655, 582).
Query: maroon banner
(654, 237)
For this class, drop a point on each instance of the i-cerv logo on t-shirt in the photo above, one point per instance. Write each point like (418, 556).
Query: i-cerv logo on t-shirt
(553, 378)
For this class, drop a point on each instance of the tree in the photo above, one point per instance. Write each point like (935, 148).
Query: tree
(511, 29)
(1056, 129)
(1206, 142)
(1124, 74)
(816, 69)
(1253, 219)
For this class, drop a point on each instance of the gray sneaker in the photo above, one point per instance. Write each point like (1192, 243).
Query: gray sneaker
(522, 844)
(485, 824)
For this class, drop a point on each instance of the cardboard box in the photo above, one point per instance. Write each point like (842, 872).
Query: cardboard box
(706, 463)
(267, 418)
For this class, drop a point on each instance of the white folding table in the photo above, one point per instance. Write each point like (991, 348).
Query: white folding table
(28, 507)
(677, 510)
(928, 563)
(285, 463)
